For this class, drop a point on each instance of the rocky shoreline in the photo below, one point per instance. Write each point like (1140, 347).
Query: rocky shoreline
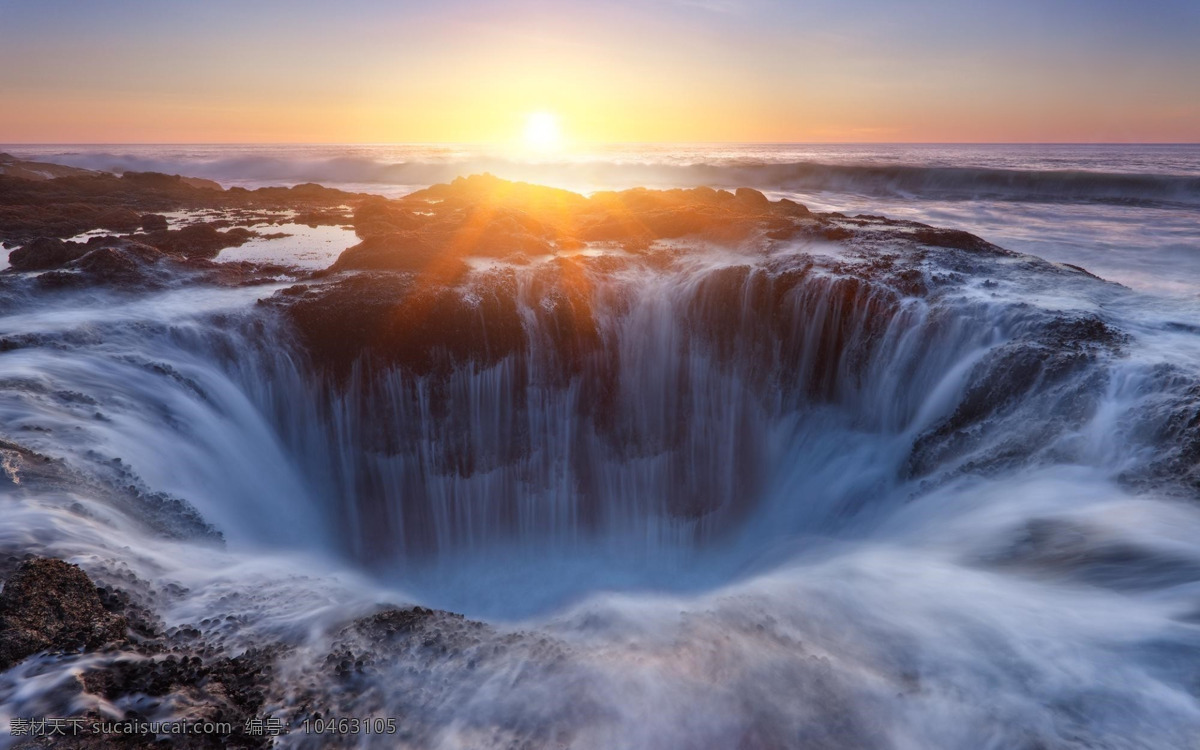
(51, 609)
(458, 275)
(467, 277)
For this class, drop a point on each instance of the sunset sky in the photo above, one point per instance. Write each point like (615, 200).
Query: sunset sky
(142, 71)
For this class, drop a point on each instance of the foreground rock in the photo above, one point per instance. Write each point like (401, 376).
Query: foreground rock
(130, 662)
(50, 605)
(45, 253)
(108, 479)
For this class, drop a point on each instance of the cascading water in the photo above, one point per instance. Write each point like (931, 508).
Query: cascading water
(711, 397)
(767, 500)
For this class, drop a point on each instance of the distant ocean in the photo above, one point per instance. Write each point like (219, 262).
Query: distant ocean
(1129, 213)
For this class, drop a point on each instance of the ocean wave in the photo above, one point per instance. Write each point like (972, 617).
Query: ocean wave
(589, 174)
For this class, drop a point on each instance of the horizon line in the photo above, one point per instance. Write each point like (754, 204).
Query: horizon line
(602, 143)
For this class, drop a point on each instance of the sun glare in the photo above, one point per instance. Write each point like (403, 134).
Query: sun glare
(542, 132)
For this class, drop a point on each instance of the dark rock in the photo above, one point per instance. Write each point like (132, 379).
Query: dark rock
(167, 182)
(792, 208)
(1039, 376)
(201, 183)
(379, 216)
(127, 262)
(222, 689)
(398, 251)
(18, 463)
(37, 170)
(196, 240)
(154, 222)
(399, 319)
(51, 605)
(322, 218)
(45, 253)
(1075, 550)
(752, 198)
(70, 205)
(956, 239)
(119, 219)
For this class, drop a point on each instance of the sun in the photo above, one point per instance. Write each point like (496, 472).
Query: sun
(542, 132)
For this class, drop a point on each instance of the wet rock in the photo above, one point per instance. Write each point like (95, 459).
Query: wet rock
(1093, 554)
(399, 319)
(484, 216)
(201, 183)
(381, 217)
(20, 464)
(413, 647)
(1168, 421)
(124, 262)
(154, 222)
(23, 169)
(120, 263)
(45, 253)
(752, 198)
(119, 219)
(70, 205)
(1046, 377)
(51, 605)
(957, 239)
(399, 251)
(322, 218)
(791, 208)
(229, 690)
(196, 240)
(166, 183)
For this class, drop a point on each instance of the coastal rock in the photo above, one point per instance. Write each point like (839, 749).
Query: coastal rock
(752, 197)
(70, 205)
(220, 690)
(154, 222)
(45, 253)
(398, 251)
(51, 605)
(1050, 371)
(378, 216)
(119, 219)
(410, 646)
(954, 238)
(125, 262)
(430, 305)
(195, 240)
(484, 216)
(39, 171)
(398, 319)
(200, 183)
(112, 262)
(323, 218)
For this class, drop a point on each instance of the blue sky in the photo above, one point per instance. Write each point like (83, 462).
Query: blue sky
(672, 70)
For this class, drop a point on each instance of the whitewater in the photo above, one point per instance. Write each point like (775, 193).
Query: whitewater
(776, 549)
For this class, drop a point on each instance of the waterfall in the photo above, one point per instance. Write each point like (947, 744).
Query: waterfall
(687, 484)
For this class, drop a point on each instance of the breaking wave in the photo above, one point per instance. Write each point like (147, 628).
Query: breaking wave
(881, 180)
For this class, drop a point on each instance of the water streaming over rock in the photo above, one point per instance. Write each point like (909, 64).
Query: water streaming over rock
(812, 497)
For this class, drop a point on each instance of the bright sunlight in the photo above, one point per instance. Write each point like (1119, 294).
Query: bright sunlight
(542, 132)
